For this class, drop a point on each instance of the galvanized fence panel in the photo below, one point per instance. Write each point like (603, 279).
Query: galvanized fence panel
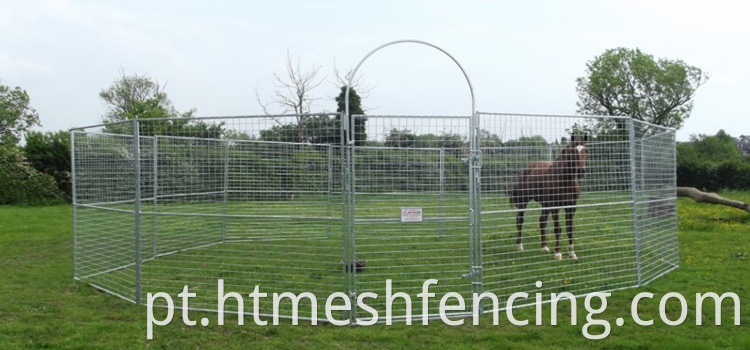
(411, 200)
(288, 204)
(104, 196)
(657, 200)
(523, 167)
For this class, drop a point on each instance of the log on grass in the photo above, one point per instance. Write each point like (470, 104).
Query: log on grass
(713, 198)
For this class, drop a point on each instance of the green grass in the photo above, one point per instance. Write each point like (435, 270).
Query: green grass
(41, 306)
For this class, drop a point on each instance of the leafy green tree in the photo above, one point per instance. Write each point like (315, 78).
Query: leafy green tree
(626, 82)
(713, 162)
(136, 96)
(427, 141)
(355, 108)
(400, 138)
(16, 114)
(711, 149)
(140, 97)
(21, 184)
(318, 129)
(535, 142)
(49, 153)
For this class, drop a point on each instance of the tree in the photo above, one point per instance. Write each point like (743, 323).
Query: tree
(21, 184)
(49, 153)
(319, 129)
(355, 108)
(400, 138)
(626, 82)
(141, 97)
(294, 92)
(16, 114)
(294, 89)
(137, 96)
(704, 148)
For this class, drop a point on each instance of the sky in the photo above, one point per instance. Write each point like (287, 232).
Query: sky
(521, 56)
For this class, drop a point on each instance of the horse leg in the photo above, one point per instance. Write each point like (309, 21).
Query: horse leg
(543, 229)
(569, 212)
(519, 225)
(558, 230)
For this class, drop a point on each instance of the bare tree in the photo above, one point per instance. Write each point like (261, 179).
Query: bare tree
(293, 89)
(294, 92)
(358, 83)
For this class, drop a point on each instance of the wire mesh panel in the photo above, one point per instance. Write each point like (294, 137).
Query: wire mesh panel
(656, 200)
(104, 217)
(254, 201)
(557, 204)
(412, 208)
(294, 203)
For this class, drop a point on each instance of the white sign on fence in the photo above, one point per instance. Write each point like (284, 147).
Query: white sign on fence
(411, 214)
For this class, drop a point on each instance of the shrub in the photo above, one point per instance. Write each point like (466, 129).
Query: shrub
(731, 175)
(50, 153)
(21, 184)
(712, 163)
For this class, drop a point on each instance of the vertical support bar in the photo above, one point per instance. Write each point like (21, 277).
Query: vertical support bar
(673, 148)
(330, 187)
(441, 193)
(74, 201)
(634, 194)
(348, 216)
(156, 194)
(137, 208)
(475, 242)
(549, 153)
(225, 199)
(643, 166)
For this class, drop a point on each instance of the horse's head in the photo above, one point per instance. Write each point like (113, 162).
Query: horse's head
(575, 155)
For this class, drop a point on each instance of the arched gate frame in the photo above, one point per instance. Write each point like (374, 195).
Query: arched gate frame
(471, 218)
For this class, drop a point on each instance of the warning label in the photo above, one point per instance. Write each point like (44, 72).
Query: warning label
(411, 214)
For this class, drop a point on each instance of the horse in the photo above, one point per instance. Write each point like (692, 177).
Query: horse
(553, 184)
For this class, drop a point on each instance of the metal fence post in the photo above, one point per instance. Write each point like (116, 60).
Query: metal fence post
(673, 148)
(643, 167)
(75, 204)
(550, 157)
(442, 191)
(330, 187)
(347, 207)
(225, 199)
(156, 194)
(137, 208)
(475, 242)
(634, 194)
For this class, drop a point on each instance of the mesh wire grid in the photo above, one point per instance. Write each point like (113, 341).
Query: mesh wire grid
(285, 203)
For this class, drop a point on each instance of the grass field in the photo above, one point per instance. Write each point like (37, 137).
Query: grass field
(41, 306)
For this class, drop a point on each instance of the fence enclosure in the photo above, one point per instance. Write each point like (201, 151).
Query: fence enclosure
(285, 203)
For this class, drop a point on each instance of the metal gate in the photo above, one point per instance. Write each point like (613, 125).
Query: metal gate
(410, 210)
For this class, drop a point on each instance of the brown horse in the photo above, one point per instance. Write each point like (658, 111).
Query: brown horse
(554, 185)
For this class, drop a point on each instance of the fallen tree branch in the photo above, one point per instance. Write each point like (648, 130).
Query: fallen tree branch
(713, 198)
